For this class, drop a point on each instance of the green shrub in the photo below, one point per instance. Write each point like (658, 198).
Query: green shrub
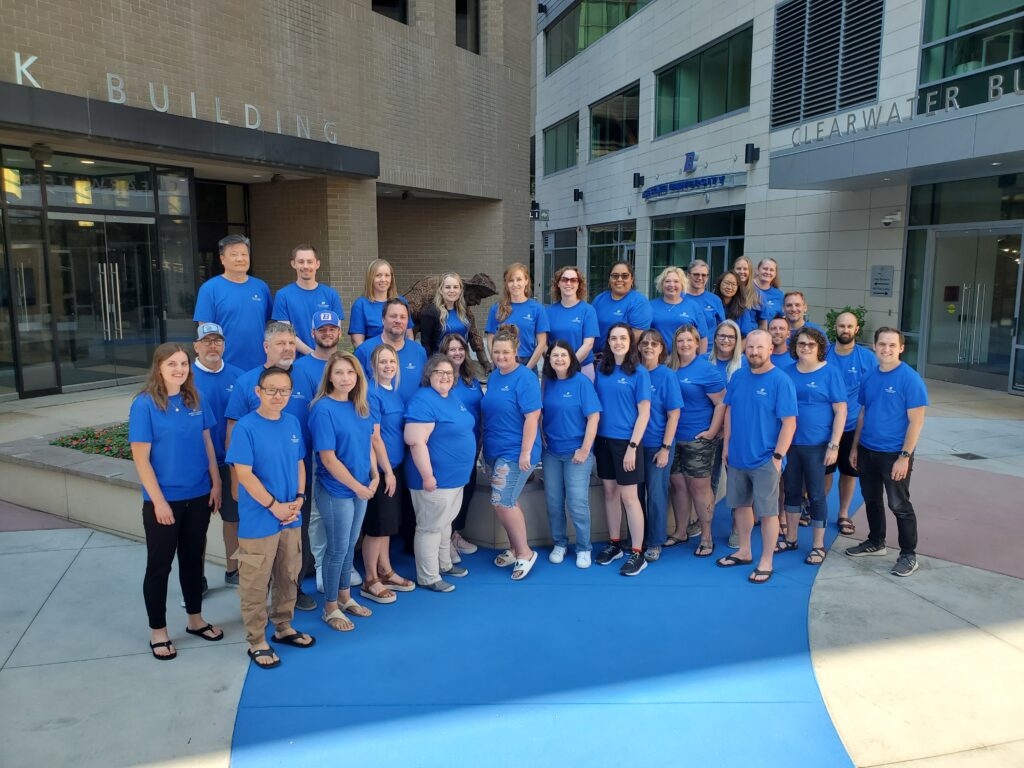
(108, 441)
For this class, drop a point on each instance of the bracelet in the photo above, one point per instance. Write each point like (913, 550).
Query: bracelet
(273, 501)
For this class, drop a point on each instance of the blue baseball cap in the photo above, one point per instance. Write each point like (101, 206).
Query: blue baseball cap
(208, 329)
(320, 319)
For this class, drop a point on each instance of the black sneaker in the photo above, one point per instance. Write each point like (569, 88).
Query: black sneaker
(866, 549)
(612, 551)
(304, 602)
(905, 565)
(633, 565)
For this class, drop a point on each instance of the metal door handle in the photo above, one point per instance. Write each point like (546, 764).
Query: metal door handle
(101, 269)
(979, 317)
(117, 299)
(965, 310)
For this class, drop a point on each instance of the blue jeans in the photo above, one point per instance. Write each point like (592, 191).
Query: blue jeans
(567, 486)
(342, 519)
(805, 468)
(653, 493)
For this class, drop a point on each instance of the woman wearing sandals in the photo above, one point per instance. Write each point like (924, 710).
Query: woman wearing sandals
(624, 389)
(169, 432)
(821, 417)
(384, 510)
(571, 414)
(511, 410)
(346, 478)
(442, 448)
(698, 437)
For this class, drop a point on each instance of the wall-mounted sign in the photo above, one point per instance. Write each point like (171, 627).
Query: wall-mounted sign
(690, 165)
(881, 280)
(695, 186)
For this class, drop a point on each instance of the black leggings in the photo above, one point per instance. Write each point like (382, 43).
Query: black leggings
(186, 536)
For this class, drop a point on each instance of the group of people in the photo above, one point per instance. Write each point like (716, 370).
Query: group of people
(306, 450)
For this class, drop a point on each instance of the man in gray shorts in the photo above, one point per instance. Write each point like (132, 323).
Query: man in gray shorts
(760, 419)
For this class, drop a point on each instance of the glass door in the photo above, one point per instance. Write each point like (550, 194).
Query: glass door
(973, 306)
(715, 253)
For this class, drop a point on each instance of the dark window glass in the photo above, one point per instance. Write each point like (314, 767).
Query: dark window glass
(393, 9)
(615, 122)
(992, 198)
(609, 243)
(562, 145)
(467, 24)
(943, 18)
(559, 251)
(20, 179)
(221, 210)
(586, 22)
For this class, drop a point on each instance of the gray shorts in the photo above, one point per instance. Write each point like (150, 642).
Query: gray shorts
(757, 488)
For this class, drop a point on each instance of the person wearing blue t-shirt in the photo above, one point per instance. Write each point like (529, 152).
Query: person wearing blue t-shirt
(676, 308)
(659, 442)
(300, 301)
(511, 409)
(346, 478)
(442, 455)
(767, 285)
(571, 318)
(515, 307)
(621, 304)
(411, 355)
(821, 415)
(215, 381)
(760, 420)
(779, 330)
(853, 362)
(624, 391)
(698, 274)
(169, 432)
(368, 310)
(698, 438)
(237, 302)
(893, 401)
(267, 452)
(569, 426)
(384, 511)
(446, 314)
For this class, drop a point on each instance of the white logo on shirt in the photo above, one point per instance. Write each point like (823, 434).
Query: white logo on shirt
(686, 380)
(653, 388)
(506, 388)
(196, 412)
(761, 392)
(231, 388)
(527, 317)
(295, 438)
(410, 367)
(576, 320)
(462, 407)
(256, 297)
(812, 384)
(617, 312)
(622, 380)
(890, 390)
(854, 369)
(567, 394)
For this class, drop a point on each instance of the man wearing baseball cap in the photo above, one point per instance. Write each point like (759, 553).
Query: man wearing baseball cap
(305, 297)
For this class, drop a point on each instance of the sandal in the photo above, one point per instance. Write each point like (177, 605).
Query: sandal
(338, 621)
(201, 632)
(753, 578)
(704, 550)
(165, 644)
(523, 567)
(731, 561)
(395, 582)
(505, 559)
(263, 653)
(294, 640)
(817, 556)
(787, 546)
(355, 609)
(672, 541)
(846, 526)
(384, 597)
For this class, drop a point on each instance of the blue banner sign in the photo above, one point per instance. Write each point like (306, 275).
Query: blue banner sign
(694, 186)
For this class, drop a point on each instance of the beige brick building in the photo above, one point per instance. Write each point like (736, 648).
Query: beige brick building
(136, 134)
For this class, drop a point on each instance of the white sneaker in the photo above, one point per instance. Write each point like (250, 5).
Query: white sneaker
(454, 552)
(583, 559)
(357, 580)
(320, 580)
(557, 555)
(463, 546)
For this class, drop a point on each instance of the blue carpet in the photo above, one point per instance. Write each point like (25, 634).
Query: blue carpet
(686, 663)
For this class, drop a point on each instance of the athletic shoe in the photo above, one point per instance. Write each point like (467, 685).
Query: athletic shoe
(464, 547)
(734, 540)
(456, 571)
(866, 549)
(652, 553)
(583, 559)
(356, 580)
(905, 565)
(231, 578)
(304, 602)
(693, 529)
(612, 551)
(557, 554)
(453, 553)
(439, 586)
(633, 565)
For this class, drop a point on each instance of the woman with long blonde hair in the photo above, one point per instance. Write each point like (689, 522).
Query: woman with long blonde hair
(446, 314)
(368, 309)
(516, 307)
(769, 290)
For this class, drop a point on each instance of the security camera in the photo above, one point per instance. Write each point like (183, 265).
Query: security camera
(887, 221)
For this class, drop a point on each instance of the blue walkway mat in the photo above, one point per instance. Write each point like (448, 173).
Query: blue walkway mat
(684, 664)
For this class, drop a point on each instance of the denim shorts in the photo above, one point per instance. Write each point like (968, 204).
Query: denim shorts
(507, 481)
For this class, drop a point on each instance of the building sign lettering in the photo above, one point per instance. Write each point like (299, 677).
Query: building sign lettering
(694, 186)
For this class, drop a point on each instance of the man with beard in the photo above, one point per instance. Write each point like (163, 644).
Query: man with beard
(760, 420)
(411, 355)
(306, 298)
(853, 362)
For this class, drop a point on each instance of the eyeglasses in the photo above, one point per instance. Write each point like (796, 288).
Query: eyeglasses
(568, 280)
(725, 336)
(211, 341)
(650, 343)
(698, 275)
(279, 391)
(620, 275)
(807, 344)
(728, 285)
(443, 374)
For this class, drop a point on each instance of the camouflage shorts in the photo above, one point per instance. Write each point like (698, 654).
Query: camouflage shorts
(695, 458)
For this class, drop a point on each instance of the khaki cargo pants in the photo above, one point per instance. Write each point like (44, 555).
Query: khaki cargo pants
(277, 557)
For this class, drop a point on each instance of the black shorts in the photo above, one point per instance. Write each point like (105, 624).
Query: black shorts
(228, 506)
(609, 454)
(383, 512)
(843, 462)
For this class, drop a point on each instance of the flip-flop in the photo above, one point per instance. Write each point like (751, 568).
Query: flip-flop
(260, 653)
(523, 567)
(672, 541)
(293, 640)
(704, 550)
(846, 526)
(816, 552)
(166, 644)
(201, 633)
(731, 561)
(759, 572)
(505, 559)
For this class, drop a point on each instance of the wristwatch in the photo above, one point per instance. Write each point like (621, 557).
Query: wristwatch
(632, 444)
(833, 446)
(300, 496)
(904, 454)
(666, 446)
(778, 456)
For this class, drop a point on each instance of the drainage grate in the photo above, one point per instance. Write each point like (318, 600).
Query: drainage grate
(969, 456)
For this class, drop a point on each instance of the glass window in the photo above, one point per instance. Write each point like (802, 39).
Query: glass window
(559, 251)
(32, 305)
(172, 191)
(81, 182)
(220, 210)
(586, 22)
(673, 237)
(913, 280)
(562, 145)
(615, 122)
(20, 180)
(943, 18)
(992, 198)
(8, 384)
(393, 9)
(707, 84)
(467, 24)
(609, 243)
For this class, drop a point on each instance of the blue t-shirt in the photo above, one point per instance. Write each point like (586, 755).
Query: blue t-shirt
(567, 404)
(815, 394)
(215, 389)
(665, 397)
(411, 359)
(177, 449)
(529, 317)
(714, 310)
(696, 381)
(242, 310)
(771, 302)
(758, 402)
(509, 397)
(782, 360)
(573, 324)
(633, 309)
(335, 426)
(451, 445)
(748, 321)
(388, 409)
(273, 448)
(471, 394)
(297, 305)
(309, 370)
(886, 397)
(854, 367)
(619, 394)
(667, 318)
(245, 400)
(452, 324)
(723, 365)
(368, 317)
